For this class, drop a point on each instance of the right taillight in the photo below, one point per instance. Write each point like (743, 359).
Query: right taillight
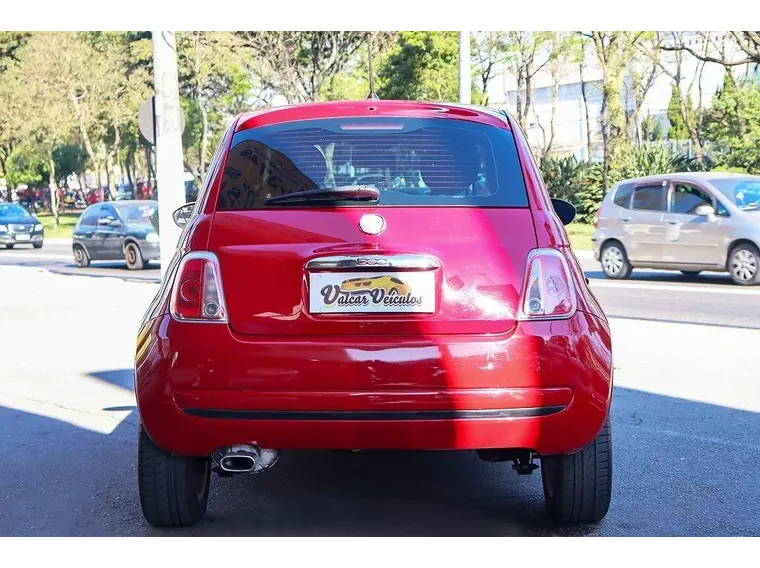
(197, 294)
(596, 217)
(548, 292)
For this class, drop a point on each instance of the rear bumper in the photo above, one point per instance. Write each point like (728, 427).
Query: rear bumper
(546, 386)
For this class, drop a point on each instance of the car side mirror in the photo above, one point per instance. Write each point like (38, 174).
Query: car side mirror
(182, 215)
(564, 210)
(705, 210)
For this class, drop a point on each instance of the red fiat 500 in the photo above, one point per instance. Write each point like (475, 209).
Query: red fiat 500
(373, 275)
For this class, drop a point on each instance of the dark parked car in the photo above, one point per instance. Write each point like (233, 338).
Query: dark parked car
(19, 227)
(117, 230)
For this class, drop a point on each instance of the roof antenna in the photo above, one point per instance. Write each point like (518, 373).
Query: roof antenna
(372, 96)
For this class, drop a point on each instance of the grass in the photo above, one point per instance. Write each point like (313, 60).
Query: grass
(580, 235)
(65, 228)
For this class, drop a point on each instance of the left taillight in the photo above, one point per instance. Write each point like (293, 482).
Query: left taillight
(548, 291)
(197, 294)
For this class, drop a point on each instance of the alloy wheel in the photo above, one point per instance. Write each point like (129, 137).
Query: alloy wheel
(612, 260)
(744, 265)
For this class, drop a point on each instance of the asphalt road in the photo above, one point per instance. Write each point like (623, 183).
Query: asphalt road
(659, 295)
(58, 258)
(685, 419)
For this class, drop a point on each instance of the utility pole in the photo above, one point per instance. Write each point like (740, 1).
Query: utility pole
(465, 77)
(169, 163)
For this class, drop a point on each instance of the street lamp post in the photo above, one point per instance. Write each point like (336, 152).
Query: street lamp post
(169, 163)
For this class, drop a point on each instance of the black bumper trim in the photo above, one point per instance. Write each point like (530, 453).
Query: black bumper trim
(332, 415)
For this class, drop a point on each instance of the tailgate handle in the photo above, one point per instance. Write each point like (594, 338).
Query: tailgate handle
(373, 262)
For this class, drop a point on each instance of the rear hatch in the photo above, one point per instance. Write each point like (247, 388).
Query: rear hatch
(440, 248)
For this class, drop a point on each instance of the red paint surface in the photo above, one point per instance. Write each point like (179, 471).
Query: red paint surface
(470, 354)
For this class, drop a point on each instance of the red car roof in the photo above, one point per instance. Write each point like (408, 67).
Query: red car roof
(341, 109)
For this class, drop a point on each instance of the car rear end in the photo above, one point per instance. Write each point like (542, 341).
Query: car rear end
(494, 342)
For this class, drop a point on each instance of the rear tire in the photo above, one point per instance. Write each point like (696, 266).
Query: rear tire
(614, 261)
(173, 489)
(9, 246)
(578, 487)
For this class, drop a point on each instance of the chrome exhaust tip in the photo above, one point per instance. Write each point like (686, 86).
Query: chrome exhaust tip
(244, 459)
(235, 463)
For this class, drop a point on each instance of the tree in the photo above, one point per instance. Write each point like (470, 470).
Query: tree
(296, 65)
(748, 44)
(677, 130)
(489, 50)
(421, 66)
(44, 116)
(673, 67)
(733, 123)
(212, 81)
(614, 51)
(11, 44)
(529, 53)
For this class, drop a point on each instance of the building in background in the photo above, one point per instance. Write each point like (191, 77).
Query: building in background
(570, 135)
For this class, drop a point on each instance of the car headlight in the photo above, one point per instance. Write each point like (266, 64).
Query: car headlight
(38, 227)
(3, 229)
(152, 237)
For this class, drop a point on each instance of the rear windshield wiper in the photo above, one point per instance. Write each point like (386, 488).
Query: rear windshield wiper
(328, 195)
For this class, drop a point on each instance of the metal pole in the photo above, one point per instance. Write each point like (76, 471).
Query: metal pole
(169, 164)
(465, 77)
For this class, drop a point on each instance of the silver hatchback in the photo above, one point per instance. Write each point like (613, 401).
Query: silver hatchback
(689, 222)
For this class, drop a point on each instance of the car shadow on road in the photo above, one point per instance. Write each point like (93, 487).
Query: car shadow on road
(642, 275)
(681, 468)
(101, 269)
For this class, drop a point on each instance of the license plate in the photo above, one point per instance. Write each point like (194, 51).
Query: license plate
(371, 292)
(23, 237)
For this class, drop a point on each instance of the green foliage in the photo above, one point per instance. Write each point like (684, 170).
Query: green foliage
(733, 124)
(422, 66)
(26, 165)
(10, 47)
(69, 159)
(580, 183)
(677, 130)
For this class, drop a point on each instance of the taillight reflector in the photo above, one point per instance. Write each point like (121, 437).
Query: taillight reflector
(197, 294)
(548, 292)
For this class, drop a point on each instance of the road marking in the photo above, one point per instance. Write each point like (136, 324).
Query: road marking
(715, 289)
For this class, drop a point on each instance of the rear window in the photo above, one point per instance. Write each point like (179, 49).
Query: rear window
(411, 161)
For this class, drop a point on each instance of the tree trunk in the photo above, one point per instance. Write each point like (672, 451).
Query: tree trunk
(528, 96)
(520, 86)
(86, 140)
(693, 134)
(128, 167)
(204, 140)
(584, 94)
(149, 163)
(53, 188)
(553, 124)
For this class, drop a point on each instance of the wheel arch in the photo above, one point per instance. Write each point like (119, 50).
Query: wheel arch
(735, 243)
(83, 247)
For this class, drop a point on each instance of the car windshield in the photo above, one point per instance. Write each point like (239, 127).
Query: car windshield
(13, 210)
(744, 192)
(138, 212)
(412, 161)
